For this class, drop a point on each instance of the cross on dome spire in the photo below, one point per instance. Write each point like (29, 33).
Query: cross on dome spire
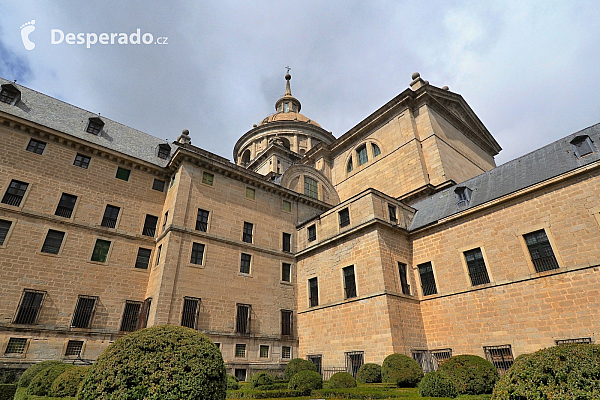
(287, 103)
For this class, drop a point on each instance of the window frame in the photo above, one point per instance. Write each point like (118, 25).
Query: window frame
(22, 197)
(313, 298)
(67, 348)
(252, 191)
(404, 283)
(344, 217)
(311, 190)
(189, 319)
(473, 264)
(94, 126)
(107, 256)
(21, 354)
(283, 352)
(237, 347)
(146, 229)
(350, 287)
(287, 326)
(550, 244)
(286, 242)
(311, 233)
(202, 257)
(208, 179)
(576, 141)
(159, 183)
(283, 206)
(108, 216)
(120, 171)
(60, 247)
(242, 262)
(21, 306)
(362, 158)
(248, 232)
(289, 272)
(260, 348)
(130, 322)
(243, 324)
(82, 157)
(392, 214)
(33, 146)
(198, 221)
(435, 288)
(12, 222)
(92, 312)
(137, 257)
(60, 205)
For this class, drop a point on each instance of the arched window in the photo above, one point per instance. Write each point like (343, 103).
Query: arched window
(246, 157)
(361, 153)
(376, 150)
(349, 167)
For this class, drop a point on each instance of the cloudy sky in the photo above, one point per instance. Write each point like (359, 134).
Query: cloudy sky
(529, 69)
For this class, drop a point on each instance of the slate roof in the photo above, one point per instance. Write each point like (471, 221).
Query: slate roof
(56, 114)
(545, 163)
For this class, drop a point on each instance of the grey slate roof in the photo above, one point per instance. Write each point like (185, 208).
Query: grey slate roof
(53, 113)
(545, 163)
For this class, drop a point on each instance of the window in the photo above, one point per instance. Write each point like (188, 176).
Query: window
(286, 323)
(361, 154)
(349, 166)
(111, 214)
(4, 228)
(218, 345)
(197, 253)
(354, 360)
(208, 178)
(286, 352)
(286, 272)
(240, 374)
(123, 174)
(81, 161)
(84, 311)
(240, 350)
(245, 263)
(430, 360)
(313, 292)
(247, 235)
(101, 248)
(376, 150)
(287, 206)
(143, 258)
(144, 313)
(317, 360)
(540, 250)
(476, 265)
(500, 356)
(250, 193)
(202, 220)
(242, 319)
(74, 348)
(392, 212)
(9, 94)
(312, 233)
(585, 340)
(164, 224)
(94, 126)
(582, 145)
(349, 282)
(311, 187)
(344, 217)
(52, 242)
(402, 272)
(159, 250)
(463, 196)
(427, 279)
(158, 185)
(29, 309)
(16, 346)
(15, 192)
(150, 225)
(263, 351)
(131, 314)
(66, 205)
(189, 314)
(287, 242)
(164, 151)
(35, 146)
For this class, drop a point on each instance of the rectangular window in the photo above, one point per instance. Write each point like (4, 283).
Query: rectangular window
(402, 272)
(15, 192)
(202, 220)
(250, 193)
(16, 346)
(123, 174)
(312, 233)
(101, 248)
(240, 374)
(143, 258)
(427, 279)
(344, 217)
(476, 265)
(311, 187)
(111, 214)
(392, 212)
(29, 309)
(540, 250)
(158, 251)
(84, 311)
(242, 319)
(313, 292)
(66, 205)
(158, 185)
(354, 360)
(286, 322)
(197, 253)
(585, 340)
(500, 356)
(144, 313)
(286, 272)
(349, 282)
(8, 96)
(317, 360)
(208, 178)
(361, 152)
(287, 206)
(4, 228)
(74, 348)
(131, 314)
(94, 126)
(189, 314)
(165, 218)
(247, 235)
(286, 352)
(53, 242)
(81, 161)
(263, 351)
(240, 350)
(35, 146)
(150, 225)
(245, 263)
(287, 242)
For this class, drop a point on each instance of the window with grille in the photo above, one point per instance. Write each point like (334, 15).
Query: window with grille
(585, 340)
(263, 351)
(95, 125)
(16, 346)
(247, 234)
(361, 155)
(143, 258)
(101, 248)
(208, 178)
(242, 319)
(245, 262)
(250, 193)
(84, 311)
(286, 352)
(164, 151)
(240, 350)
(74, 348)
(476, 265)
(582, 145)
(344, 216)
(286, 322)
(403, 273)
(430, 360)
(202, 220)
(158, 185)
(311, 232)
(81, 161)
(150, 225)
(311, 187)
(8, 95)
(427, 279)
(197, 253)
(111, 214)
(35, 146)
(158, 251)
(240, 374)
(29, 309)
(349, 282)
(144, 313)
(131, 314)
(189, 313)
(123, 174)
(53, 242)
(286, 272)
(287, 242)
(354, 360)
(164, 224)
(15, 192)
(376, 150)
(540, 250)
(4, 228)
(349, 166)
(317, 360)
(392, 213)
(500, 356)
(313, 292)
(66, 205)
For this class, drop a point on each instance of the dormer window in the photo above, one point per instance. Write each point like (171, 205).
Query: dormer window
(361, 153)
(164, 151)
(95, 126)
(9, 94)
(463, 196)
(582, 145)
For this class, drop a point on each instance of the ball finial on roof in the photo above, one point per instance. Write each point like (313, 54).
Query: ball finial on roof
(185, 132)
(445, 88)
(415, 75)
(288, 77)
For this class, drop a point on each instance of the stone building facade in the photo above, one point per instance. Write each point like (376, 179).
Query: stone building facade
(401, 235)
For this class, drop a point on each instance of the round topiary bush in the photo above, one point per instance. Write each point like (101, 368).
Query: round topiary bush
(341, 380)
(261, 379)
(32, 371)
(296, 365)
(233, 383)
(67, 383)
(306, 380)
(162, 362)
(401, 370)
(568, 371)
(470, 374)
(437, 384)
(369, 373)
(41, 383)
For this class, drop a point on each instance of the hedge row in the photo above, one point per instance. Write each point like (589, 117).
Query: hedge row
(265, 394)
(359, 393)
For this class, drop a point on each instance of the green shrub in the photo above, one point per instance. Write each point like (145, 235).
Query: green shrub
(342, 380)
(369, 373)
(305, 380)
(296, 365)
(266, 394)
(401, 370)
(275, 386)
(260, 379)
(41, 383)
(67, 383)
(363, 392)
(32, 371)
(470, 374)
(568, 371)
(9, 375)
(233, 383)
(162, 362)
(437, 384)
(7, 391)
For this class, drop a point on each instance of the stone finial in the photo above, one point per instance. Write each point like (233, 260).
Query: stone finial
(288, 89)
(417, 81)
(184, 138)
(415, 75)
(445, 88)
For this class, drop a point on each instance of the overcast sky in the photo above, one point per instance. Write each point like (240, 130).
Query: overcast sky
(529, 69)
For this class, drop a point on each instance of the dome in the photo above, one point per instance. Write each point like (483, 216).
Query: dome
(288, 116)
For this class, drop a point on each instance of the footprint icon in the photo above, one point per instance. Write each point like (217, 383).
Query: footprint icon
(26, 29)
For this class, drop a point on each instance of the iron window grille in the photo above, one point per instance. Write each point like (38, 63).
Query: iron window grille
(16, 346)
(354, 360)
(74, 348)
(463, 196)
(376, 150)
(4, 228)
(150, 225)
(131, 314)
(240, 351)
(84, 312)
(30, 306)
(585, 340)
(263, 351)
(311, 187)
(164, 151)
(540, 250)
(111, 214)
(286, 352)
(582, 145)
(243, 318)
(53, 242)
(164, 224)
(430, 360)
(158, 185)
(313, 292)
(286, 322)
(15, 193)
(8, 96)
(66, 205)
(197, 253)
(361, 154)
(476, 265)
(189, 313)
(81, 161)
(143, 258)
(123, 174)
(35, 146)
(427, 279)
(240, 374)
(208, 178)
(95, 126)
(403, 273)
(202, 220)
(101, 248)
(287, 242)
(247, 234)
(245, 262)
(317, 360)
(312, 233)
(392, 213)
(144, 313)
(286, 272)
(344, 216)
(349, 282)
(500, 356)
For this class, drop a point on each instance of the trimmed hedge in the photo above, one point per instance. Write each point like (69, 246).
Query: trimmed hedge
(32, 371)
(266, 394)
(363, 392)
(9, 375)
(568, 371)
(233, 383)
(306, 380)
(342, 380)
(401, 370)
(296, 365)
(437, 384)
(163, 362)
(67, 383)
(470, 374)
(261, 379)
(369, 373)
(7, 391)
(275, 386)
(41, 383)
